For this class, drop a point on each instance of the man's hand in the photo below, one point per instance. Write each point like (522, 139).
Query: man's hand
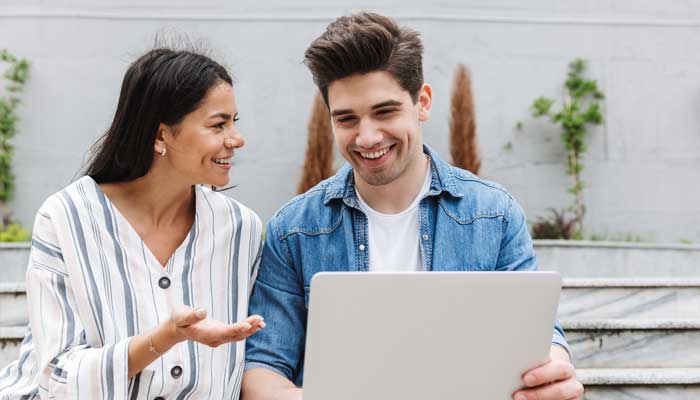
(193, 324)
(555, 380)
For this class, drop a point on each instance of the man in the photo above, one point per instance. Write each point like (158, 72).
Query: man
(396, 206)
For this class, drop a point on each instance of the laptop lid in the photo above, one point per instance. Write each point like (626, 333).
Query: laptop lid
(426, 335)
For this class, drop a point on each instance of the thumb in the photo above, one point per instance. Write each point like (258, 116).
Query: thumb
(184, 316)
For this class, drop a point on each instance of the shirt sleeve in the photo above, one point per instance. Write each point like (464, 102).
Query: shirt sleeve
(517, 254)
(67, 367)
(278, 296)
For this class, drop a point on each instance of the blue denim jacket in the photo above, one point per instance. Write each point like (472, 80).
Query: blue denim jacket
(466, 224)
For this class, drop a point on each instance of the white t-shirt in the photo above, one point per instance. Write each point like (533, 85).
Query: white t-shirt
(393, 239)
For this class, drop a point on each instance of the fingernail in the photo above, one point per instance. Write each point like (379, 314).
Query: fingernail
(520, 396)
(200, 313)
(262, 324)
(247, 326)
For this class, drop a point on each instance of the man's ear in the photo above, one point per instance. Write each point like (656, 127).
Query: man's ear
(425, 101)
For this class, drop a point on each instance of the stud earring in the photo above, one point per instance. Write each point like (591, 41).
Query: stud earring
(162, 151)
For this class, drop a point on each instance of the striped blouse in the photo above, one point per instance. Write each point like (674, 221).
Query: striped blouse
(92, 284)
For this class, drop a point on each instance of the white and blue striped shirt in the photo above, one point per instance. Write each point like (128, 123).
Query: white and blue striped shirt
(92, 284)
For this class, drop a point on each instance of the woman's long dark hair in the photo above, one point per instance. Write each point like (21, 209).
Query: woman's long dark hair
(162, 86)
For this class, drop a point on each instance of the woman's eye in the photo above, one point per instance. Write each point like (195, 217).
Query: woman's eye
(220, 125)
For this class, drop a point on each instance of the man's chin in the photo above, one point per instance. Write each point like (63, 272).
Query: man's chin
(377, 179)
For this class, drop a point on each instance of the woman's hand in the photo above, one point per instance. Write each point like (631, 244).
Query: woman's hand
(192, 324)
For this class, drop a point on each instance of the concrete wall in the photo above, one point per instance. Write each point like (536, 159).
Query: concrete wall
(642, 168)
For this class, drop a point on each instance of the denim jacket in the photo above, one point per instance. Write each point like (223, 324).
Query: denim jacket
(466, 224)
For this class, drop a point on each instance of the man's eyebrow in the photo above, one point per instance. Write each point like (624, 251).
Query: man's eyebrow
(344, 111)
(383, 104)
(386, 103)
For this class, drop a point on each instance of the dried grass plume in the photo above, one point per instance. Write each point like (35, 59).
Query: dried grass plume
(318, 161)
(463, 146)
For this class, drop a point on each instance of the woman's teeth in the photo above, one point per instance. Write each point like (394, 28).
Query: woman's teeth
(222, 161)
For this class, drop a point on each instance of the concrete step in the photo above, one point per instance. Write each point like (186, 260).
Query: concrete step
(582, 299)
(13, 303)
(573, 258)
(587, 259)
(641, 384)
(634, 343)
(13, 261)
(622, 298)
(10, 338)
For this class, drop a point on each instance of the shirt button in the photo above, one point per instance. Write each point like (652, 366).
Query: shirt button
(176, 371)
(164, 282)
(159, 398)
(362, 247)
(425, 236)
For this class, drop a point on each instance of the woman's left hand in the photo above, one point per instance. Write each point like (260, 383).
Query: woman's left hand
(193, 324)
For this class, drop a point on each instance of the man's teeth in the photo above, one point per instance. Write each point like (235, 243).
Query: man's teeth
(376, 154)
(223, 161)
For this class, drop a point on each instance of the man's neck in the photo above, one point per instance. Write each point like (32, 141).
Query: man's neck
(397, 195)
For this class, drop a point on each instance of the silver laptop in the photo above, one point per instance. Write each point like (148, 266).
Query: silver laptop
(426, 335)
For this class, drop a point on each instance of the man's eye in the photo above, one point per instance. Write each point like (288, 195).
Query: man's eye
(346, 119)
(220, 125)
(386, 111)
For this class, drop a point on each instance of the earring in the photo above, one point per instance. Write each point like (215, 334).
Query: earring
(162, 151)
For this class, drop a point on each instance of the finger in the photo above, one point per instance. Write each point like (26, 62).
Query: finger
(569, 389)
(242, 330)
(185, 316)
(556, 370)
(255, 320)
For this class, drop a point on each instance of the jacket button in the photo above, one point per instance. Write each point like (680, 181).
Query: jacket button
(164, 282)
(425, 236)
(362, 247)
(159, 398)
(176, 371)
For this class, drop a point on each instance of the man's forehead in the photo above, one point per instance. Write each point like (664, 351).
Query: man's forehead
(365, 91)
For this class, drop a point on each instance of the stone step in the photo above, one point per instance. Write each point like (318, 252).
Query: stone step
(621, 298)
(634, 343)
(641, 384)
(592, 259)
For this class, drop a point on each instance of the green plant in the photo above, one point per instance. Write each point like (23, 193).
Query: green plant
(13, 232)
(16, 75)
(579, 109)
(557, 226)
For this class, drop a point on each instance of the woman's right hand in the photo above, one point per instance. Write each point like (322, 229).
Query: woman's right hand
(188, 323)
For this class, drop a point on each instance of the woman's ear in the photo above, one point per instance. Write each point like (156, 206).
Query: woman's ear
(159, 146)
(425, 101)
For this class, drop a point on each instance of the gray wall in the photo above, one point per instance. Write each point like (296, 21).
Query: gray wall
(642, 165)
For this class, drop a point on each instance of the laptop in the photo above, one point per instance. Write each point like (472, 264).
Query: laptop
(426, 335)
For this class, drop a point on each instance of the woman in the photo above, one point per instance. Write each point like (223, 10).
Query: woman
(139, 275)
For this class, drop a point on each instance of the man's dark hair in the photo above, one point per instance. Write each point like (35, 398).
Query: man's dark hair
(162, 86)
(366, 42)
